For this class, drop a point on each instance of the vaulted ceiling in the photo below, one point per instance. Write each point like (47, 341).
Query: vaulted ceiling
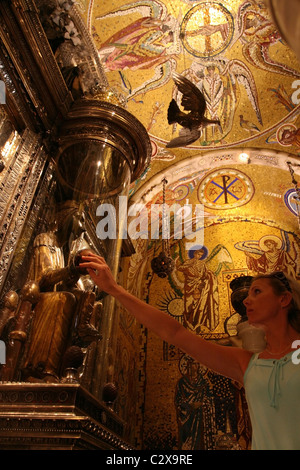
(231, 50)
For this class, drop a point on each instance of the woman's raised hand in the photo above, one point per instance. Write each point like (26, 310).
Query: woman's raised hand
(99, 271)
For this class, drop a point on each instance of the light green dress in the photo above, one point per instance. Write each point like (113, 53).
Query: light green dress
(273, 394)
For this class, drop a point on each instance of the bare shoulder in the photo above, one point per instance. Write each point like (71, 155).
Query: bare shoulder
(245, 357)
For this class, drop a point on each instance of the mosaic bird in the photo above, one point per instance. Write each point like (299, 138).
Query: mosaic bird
(192, 122)
(248, 126)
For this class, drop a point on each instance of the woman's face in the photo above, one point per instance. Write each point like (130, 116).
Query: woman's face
(262, 303)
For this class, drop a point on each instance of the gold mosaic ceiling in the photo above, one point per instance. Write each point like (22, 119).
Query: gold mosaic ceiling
(231, 50)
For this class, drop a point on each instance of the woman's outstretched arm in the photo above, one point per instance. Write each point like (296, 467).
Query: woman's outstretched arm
(228, 361)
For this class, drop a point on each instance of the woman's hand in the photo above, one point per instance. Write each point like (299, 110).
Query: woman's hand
(99, 271)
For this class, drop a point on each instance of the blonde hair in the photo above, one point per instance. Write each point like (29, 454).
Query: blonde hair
(281, 283)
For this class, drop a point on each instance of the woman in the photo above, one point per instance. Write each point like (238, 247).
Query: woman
(271, 379)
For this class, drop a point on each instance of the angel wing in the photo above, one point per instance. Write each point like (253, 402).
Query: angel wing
(291, 247)
(249, 246)
(146, 8)
(218, 259)
(192, 98)
(258, 54)
(245, 78)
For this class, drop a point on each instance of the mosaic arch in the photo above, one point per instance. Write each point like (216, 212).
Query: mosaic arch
(248, 220)
(182, 175)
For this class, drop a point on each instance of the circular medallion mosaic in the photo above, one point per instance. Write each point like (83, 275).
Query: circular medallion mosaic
(207, 29)
(225, 188)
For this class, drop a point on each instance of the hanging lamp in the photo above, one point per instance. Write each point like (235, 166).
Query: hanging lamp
(163, 264)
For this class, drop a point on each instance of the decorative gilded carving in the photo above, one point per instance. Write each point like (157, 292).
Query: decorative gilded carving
(17, 191)
(81, 423)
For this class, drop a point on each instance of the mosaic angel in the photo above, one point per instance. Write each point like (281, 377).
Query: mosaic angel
(150, 41)
(200, 286)
(220, 82)
(258, 34)
(270, 254)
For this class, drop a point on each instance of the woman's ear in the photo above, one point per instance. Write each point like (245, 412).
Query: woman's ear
(286, 299)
